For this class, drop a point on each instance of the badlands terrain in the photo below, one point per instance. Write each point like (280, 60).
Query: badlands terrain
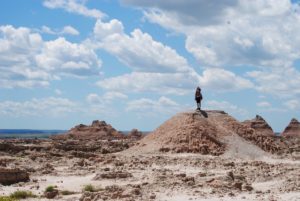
(205, 155)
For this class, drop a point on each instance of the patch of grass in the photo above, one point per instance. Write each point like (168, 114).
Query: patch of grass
(89, 188)
(50, 189)
(22, 195)
(7, 198)
(66, 192)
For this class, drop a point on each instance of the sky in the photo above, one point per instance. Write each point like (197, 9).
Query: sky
(136, 63)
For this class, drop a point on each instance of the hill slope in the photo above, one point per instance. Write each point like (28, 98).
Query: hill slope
(206, 132)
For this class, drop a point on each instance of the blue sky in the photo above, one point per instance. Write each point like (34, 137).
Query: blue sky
(135, 63)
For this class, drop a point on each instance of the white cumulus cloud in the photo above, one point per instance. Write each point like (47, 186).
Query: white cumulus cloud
(237, 33)
(74, 6)
(138, 50)
(26, 60)
(164, 83)
(147, 106)
(70, 30)
(156, 67)
(233, 32)
(223, 81)
(38, 107)
(68, 58)
(66, 30)
(281, 83)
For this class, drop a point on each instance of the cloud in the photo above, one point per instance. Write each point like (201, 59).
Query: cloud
(70, 30)
(114, 95)
(26, 60)
(163, 83)
(47, 30)
(156, 67)
(104, 104)
(68, 58)
(263, 104)
(145, 106)
(138, 50)
(292, 104)
(226, 106)
(282, 83)
(151, 60)
(223, 81)
(237, 32)
(58, 92)
(74, 6)
(67, 30)
(106, 98)
(264, 35)
(200, 12)
(18, 47)
(50, 106)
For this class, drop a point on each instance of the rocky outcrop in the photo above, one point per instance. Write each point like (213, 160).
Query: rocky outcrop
(267, 143)
(260, 126)
(87, 146)
(207, 132)
(98, 130)
(135, 134)
(183, 133)
(12, 176)
(113, 175)
(293, 129)
(12, 148)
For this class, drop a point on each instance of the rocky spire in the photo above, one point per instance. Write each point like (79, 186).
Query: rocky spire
(260, 126)
(293, 129)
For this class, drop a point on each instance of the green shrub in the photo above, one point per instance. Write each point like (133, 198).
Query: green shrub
(66, 192)
(22, 195)
(49, 189)
(7, 198)
(89, 188)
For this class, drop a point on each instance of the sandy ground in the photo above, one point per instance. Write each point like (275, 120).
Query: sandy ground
(168, 177)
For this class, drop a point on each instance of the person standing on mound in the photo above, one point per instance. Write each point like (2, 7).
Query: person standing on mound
(198, 98)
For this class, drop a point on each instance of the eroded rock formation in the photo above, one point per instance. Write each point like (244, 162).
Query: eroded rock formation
(12, 176)
(260, 126)
(97, 130)
(293, 129)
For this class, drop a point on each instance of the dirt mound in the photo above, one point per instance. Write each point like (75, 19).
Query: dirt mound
(99, 130)
(205, 132)
(187, 132)
(260, 126)
(293, 129)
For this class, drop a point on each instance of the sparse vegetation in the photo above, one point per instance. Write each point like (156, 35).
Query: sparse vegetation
(7, 198)
(22, 195)
(51, 192)
(49, 189)
(66, 192)
(89, 188)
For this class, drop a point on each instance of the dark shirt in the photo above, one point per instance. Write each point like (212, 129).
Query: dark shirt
(198, 95)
